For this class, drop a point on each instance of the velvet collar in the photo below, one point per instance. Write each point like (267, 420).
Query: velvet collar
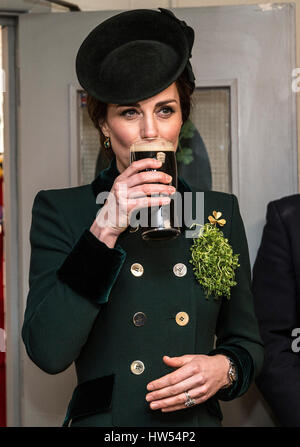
(106, 178)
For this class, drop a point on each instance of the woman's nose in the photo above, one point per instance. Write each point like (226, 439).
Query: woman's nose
(149, 127)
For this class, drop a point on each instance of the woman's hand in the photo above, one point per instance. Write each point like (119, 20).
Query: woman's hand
(130, 192)
(201, 375)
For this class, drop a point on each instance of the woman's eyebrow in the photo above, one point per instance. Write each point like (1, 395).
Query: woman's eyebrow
(128, 105)
(161, 103)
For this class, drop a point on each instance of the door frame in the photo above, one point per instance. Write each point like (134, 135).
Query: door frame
(12, 291)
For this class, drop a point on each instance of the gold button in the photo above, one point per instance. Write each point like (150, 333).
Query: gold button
(137, 269)
(182, 318)
(180, 269)
(137, 367)
(139, 319)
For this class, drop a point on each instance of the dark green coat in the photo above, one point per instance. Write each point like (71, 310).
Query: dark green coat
(83, 296)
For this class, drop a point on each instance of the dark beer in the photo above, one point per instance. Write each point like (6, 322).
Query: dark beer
(162, 223)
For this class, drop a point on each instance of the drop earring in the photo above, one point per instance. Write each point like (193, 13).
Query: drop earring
(107, 143)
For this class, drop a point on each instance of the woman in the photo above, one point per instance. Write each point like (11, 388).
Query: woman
(142, 345)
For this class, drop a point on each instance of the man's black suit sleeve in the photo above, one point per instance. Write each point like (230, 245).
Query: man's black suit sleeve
(275, 297)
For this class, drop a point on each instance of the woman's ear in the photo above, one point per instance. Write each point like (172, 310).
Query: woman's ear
(104, 128)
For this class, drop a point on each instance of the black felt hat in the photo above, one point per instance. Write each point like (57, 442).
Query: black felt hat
(135, 55)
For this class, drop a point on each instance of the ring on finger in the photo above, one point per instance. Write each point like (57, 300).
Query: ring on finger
(189, 401)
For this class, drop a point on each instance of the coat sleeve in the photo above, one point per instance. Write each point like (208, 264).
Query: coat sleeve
(237, 328)
(275, 295)
(68, 284)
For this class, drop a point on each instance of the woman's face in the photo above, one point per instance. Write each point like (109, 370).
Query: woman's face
(159, 116)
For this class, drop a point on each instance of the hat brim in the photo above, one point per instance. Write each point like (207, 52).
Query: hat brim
(132, 56)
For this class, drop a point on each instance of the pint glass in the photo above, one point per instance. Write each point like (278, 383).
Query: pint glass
(162, 221)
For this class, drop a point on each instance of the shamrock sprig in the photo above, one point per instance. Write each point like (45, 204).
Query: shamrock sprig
(213, 259)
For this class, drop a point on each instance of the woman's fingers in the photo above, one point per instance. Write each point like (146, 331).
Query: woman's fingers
(116, 213)
(142, 177)
(205, 376)
(191, 382)
(168, 391)
(137, 173)
(140, 165)
(131, 189)
(199, 394)
(145, 202)
(188, 369)
(182, 406)
(150, 188)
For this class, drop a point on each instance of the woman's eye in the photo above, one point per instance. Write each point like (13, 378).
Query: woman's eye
(129, 113)
(166, 111)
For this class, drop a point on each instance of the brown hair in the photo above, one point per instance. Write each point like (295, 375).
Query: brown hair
(97, 109)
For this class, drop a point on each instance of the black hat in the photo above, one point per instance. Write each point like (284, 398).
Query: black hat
(135, 55)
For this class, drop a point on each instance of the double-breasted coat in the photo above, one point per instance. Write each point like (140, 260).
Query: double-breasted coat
(86, 305)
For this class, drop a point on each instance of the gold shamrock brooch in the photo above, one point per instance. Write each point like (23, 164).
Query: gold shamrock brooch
(215, 220)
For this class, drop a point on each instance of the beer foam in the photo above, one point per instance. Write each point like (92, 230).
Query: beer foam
(155, 145)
